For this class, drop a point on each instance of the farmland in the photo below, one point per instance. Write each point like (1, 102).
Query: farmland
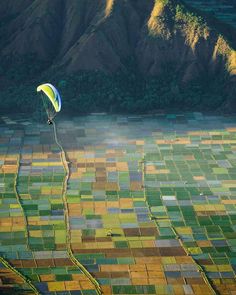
(147, 206)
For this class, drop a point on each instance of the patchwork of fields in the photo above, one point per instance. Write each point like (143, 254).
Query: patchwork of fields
(150, 203)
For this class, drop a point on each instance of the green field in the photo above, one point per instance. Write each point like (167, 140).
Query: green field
(150, 203)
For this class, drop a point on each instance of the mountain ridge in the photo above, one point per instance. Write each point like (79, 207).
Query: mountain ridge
(87, 36)
(78, 33)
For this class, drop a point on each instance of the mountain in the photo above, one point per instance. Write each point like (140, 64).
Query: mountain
(147, 39)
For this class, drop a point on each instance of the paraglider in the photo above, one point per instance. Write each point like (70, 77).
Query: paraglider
(51, 100)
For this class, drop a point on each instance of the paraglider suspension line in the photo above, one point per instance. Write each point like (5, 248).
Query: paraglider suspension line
(48, 108)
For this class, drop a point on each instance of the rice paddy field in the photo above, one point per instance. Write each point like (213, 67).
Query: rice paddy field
(130, 205)
(223, 10)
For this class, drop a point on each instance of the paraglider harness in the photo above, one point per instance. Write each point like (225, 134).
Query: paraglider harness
(49, 121)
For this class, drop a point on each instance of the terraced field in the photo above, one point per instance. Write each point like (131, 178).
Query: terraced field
(140, 205)
(223, 10)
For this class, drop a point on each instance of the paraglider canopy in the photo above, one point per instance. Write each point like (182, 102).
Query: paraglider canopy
(51, 99)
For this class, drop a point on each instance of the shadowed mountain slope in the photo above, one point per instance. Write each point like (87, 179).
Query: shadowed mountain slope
(105, 35)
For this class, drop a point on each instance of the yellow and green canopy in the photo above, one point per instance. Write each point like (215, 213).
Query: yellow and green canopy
(53, 95)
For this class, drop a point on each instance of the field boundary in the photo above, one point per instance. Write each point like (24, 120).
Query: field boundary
(73, 259)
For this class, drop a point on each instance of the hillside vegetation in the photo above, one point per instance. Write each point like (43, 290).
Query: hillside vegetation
(115, 55)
